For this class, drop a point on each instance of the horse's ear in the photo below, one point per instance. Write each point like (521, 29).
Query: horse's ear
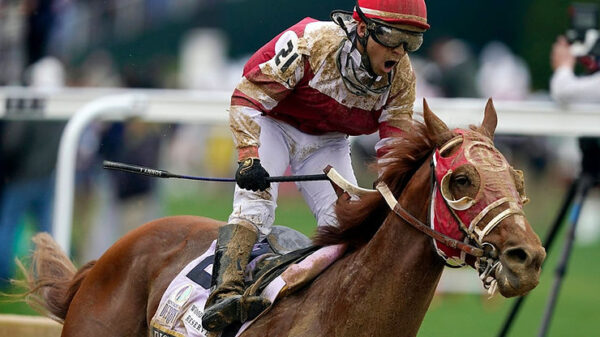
(490, 120)
(437, 129)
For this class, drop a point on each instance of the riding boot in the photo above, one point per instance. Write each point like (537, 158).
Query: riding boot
(226, 303)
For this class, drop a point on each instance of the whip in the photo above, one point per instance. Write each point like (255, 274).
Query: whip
(111, 165)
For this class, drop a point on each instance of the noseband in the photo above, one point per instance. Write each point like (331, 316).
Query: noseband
(485, 253)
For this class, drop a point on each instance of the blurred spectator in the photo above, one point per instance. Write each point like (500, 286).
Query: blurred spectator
(28, 152)
(202, 61)
(199, 148)
(112, 203)
(47, 73)
(502, 74)
(40, 19)
(427, 73)
(28, 149)
(28, 157)
(99, 70)
(457, 66)
(567, 88)
(12, 29)
(123, 201)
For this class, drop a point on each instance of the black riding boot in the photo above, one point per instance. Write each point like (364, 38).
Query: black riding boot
(225, 304)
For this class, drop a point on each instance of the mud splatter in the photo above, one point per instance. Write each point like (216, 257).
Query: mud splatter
(244, 128)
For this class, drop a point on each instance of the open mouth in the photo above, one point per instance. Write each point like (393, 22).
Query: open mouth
(390, 64)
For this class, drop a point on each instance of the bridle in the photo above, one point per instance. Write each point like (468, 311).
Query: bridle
(487, 262)
(416, 223)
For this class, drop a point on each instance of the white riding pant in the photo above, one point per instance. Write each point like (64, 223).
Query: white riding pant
(282, 145)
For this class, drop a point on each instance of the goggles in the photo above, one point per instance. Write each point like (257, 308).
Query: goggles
(391, 37)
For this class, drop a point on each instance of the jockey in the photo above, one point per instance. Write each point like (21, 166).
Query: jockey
(301, 96)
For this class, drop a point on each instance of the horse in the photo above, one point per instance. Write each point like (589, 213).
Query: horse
(381, 286)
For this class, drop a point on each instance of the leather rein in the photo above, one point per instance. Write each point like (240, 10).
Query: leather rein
(341, 185)
(419, 225)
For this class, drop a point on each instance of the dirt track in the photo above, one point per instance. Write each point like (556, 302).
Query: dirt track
(28, 326)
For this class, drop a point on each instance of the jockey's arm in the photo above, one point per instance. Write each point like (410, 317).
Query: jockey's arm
(269, 76)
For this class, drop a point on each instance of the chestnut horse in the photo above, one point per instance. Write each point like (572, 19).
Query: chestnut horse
(381, 286)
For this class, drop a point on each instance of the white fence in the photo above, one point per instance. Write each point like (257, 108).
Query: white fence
(82, 106)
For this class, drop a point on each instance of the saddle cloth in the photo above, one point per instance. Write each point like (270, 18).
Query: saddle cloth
(180, 311)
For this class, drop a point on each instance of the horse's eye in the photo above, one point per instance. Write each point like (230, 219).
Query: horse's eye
(461, 180)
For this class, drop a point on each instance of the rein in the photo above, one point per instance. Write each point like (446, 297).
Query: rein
(417, 224)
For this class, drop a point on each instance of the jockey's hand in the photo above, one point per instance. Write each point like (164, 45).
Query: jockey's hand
(251, 175)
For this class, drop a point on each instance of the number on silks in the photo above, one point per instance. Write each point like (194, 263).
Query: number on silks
(286, 53)
(283, 53)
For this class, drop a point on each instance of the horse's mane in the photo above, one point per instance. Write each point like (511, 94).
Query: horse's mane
(360, 219)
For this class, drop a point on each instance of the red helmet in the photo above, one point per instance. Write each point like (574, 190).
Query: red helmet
(407, 12)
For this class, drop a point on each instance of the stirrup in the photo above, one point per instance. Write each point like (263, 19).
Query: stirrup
(231, 309)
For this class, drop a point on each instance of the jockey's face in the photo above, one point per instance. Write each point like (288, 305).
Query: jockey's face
(383, 59)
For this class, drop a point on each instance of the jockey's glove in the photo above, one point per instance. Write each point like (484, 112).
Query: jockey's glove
(251, 175)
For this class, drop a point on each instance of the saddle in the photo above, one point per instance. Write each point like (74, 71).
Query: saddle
(271, 257)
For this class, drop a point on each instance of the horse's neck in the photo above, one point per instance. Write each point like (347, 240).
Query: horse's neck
(396, 273)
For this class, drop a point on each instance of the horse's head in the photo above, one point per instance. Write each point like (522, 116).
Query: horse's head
(479, 198)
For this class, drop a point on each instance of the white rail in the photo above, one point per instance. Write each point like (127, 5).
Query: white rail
(82, 106)
(514, 117)
(122, 105)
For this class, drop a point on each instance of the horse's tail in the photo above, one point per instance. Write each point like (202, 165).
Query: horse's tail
(51, 280)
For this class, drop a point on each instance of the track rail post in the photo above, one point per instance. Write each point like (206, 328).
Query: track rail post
(123, 106)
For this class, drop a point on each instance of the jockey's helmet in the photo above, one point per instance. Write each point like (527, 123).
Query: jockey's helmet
(395, 12)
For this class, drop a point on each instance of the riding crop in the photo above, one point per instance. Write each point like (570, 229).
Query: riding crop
(111, 165)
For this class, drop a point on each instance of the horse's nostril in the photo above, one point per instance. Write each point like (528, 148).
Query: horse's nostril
(517, 255)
